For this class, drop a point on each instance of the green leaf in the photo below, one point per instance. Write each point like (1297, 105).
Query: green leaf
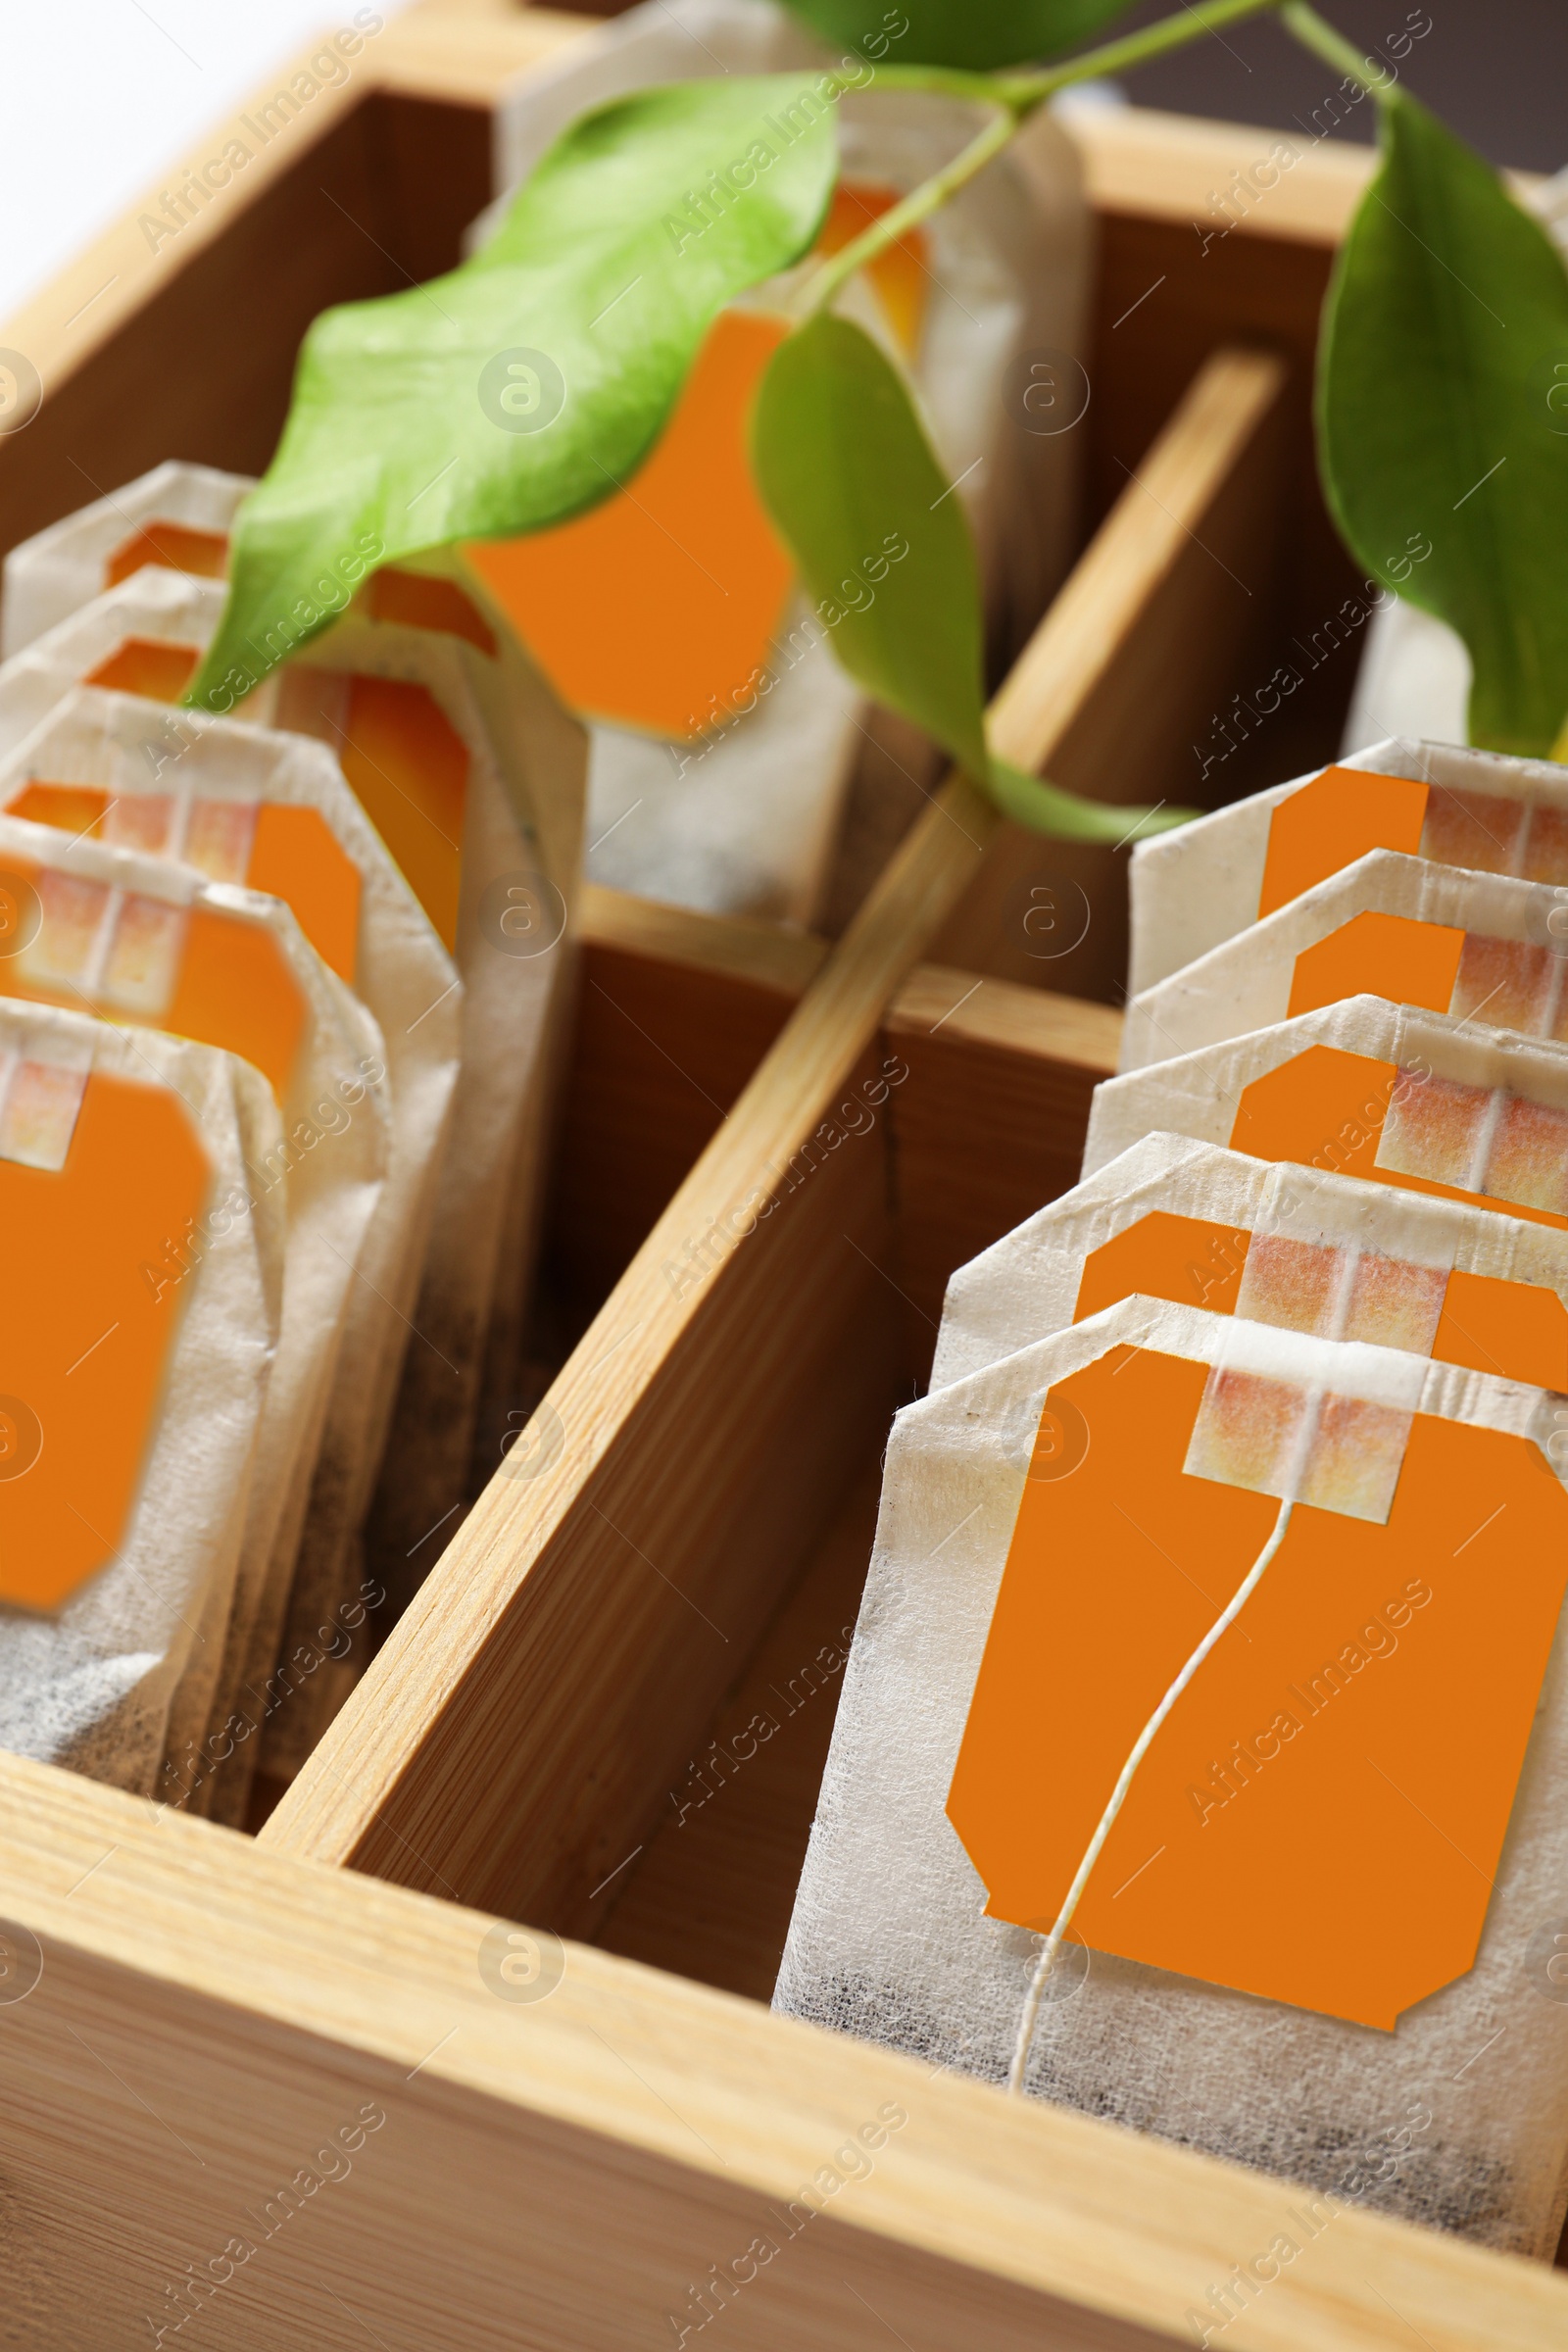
(1442, 418)
(976, 34)
(884, 549)
(526, 385)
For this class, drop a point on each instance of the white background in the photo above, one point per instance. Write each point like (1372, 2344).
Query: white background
(99, 97)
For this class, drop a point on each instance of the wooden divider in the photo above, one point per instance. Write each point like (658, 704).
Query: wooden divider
(295, 2107)
(524, 1721)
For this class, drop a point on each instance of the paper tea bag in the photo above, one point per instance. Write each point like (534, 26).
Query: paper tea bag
(177, 517)
(143, 637)
(473, 776)
(1311, 1937)
(1200, 885)
(1173, 1218)
(1482, 947)
(1365, 1088)
(724, 733)
(273, 811)
(130, 1406)
(146, 942)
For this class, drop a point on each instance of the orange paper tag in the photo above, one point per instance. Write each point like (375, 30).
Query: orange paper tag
(1320, 1818)
(1357, 1117)
(173, 547)
(86, 1338)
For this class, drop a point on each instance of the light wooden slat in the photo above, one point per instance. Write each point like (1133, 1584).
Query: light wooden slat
(499, 1743)
(557, 2175)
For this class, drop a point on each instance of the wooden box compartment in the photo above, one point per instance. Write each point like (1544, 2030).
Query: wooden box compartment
(317, 2087)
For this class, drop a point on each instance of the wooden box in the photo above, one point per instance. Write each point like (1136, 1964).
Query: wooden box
(317, 2089)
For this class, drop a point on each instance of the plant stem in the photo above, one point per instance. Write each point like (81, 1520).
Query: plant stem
(1320, 37)
(928, 197)
(1017, 95)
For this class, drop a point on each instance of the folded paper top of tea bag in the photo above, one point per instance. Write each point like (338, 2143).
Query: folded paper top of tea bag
(273, 811)
(132, 1396)
(146, 636)
(1174, 1218)
(138, 938)
(1309, 1911)
(1367, 1088)
(1196, 887)
(1484, 946)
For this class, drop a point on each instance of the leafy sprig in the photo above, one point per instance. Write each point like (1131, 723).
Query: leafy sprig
(530, 384)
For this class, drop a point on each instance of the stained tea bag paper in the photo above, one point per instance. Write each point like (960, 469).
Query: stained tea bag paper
(1312, 1911)
(1200, 885)
(1483, 947)
(273, 811)
(1334, 1255)
(130, 1412)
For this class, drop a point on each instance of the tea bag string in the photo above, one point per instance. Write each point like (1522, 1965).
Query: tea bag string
(1048, 1958)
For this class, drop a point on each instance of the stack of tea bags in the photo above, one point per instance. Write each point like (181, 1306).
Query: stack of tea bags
(1202, 1757)
(138, 1427)
(726, 740)
(219, 879)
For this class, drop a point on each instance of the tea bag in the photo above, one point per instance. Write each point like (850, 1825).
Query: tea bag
(178, 517)
(1173, 1218)
(273, 811)
(131, 1405)
(143, 637)
(146, 942)
(726, 739)
(473, 776)
(1483, 947)
(1365, 1088)
(1313, 1932)
(1200, 885)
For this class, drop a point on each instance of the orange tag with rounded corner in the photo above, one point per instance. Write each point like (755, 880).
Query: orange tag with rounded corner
(1321, 1816)
(98, 1177)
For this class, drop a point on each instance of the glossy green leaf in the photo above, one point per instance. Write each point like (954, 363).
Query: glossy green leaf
(524, 386)
(976, 34)
(1442, 418)
(884, 549)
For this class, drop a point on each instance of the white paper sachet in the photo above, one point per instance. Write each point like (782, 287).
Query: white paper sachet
(273, 811)
(734, 806)
(131, 1407)
(1314, 1939)
(1200, 885)
(143, 940)
(1173, 1218)
(1483, 947)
